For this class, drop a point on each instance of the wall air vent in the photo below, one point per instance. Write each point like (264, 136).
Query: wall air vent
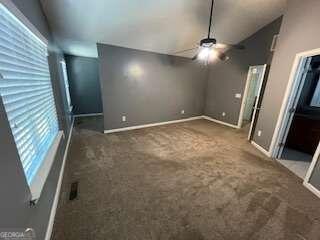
(73, 191)
(274, 42)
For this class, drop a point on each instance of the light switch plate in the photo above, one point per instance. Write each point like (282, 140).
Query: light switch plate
(238, 95)
(182, 111)
(124, 118)
(259, 133)
(223, 114)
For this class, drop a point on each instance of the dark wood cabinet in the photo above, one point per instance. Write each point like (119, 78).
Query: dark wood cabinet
(304, 134)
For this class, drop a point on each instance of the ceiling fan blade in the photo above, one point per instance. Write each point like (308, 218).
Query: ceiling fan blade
(234, 46)
(237, 46)
(195, 57)
(221, 56)
(186, 50)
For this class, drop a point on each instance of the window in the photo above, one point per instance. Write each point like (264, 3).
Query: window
(26, 91)
(315, 101)
(66, 83)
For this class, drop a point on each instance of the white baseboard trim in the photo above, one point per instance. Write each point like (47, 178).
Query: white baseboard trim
(261, 149)
(87, 115)
(220, 122)
(57, 194)
(312, 189)
(152, 125)
(170, 122)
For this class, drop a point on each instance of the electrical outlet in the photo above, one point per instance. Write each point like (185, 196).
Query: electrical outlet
(259, 133)
(238, 95)
(124, 118)
(182, 111)
(223, 114)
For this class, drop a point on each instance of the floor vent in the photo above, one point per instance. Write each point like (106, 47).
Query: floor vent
(73, 191)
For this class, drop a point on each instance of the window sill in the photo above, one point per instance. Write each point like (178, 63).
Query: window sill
(39, 180)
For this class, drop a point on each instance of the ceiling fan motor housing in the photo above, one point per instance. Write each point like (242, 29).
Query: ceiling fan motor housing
(208, 42)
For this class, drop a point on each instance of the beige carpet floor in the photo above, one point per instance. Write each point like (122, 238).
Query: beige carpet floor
(189, 181)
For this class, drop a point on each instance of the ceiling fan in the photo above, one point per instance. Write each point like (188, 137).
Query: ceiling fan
(209, 49)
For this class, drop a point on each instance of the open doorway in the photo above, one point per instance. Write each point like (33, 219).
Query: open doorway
(299, 133)
(249, 108)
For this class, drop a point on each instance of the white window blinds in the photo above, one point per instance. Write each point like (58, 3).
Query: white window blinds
(26, 92)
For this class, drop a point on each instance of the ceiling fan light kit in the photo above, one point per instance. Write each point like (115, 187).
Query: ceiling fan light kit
(209, 50)
(208, 42)
(204, 53)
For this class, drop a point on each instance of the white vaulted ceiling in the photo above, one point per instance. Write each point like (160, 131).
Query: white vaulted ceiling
(163, 26)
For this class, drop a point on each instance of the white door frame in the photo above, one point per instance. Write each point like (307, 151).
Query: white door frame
(257, 100)
(293, 100)
(289, 98)
(306, 182)
(245, 95)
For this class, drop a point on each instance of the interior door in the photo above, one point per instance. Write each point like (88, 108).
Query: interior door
(292, 104)
(260, 76)
(252, 93)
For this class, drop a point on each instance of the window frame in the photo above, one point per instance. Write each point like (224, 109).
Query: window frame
(66, 84)
(38, 181)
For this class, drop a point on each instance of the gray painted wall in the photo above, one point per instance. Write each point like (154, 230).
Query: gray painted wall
(148, 87)
(14, 206)
(299, 32)
(229, 78)
(32, 9)
(83, 74)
